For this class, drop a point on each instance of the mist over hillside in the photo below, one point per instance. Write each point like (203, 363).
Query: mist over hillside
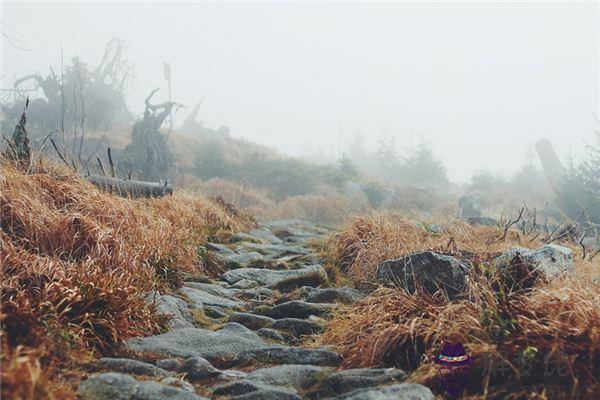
(481, 82)
(299, 201)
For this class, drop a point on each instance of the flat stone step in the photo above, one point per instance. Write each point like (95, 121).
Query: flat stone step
(112, 386)
(271, 278)
(225, 343)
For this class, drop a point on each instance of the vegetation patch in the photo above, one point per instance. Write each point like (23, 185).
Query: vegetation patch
(524, 333)
(77, 265)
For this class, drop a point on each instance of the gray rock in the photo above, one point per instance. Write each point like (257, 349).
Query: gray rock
(242, 260)
(276, 250)
(298, 309)
(298, 326)
(179, 383)
(550, 259)
(270, 334)
(265, 235)
(351, 379)
(251, 321)
(218, 289)
(290, 375)
(402, 391)
(258, 293)
(198, 368)
(243, 387)
(115, 386)
(233, 374)
(169, 364)
(199, 298)
(176, 308)
(290, 355)
(430, 270)
(149, 390)
(214, 312)
(268, 394)
(343, 295)
(227, 342)
(267, 277)
(129, 366)
(245, 284)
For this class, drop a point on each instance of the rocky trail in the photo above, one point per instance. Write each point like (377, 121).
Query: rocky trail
(244, 336)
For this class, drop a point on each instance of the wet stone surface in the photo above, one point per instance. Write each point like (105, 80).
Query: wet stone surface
(242, 336)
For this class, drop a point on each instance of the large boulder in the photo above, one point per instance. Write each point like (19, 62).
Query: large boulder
(550, 260)
(427, 269)
(115, 386)
(225, 343)
(271, 278)
(402, 391)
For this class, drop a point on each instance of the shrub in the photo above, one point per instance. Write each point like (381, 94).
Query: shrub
(579, 189)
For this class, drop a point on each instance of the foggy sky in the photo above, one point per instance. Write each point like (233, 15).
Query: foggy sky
(481, 82)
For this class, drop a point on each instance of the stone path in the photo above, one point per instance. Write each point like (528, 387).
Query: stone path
(241, 338)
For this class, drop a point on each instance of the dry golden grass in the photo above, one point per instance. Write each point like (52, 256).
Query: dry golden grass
(370, 240)
(329, 209)
(76, 265)
(545, 336)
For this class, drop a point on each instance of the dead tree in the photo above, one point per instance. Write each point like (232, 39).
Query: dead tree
(148, 156)
(74, 99)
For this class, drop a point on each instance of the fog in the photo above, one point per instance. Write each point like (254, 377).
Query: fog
(480, 82)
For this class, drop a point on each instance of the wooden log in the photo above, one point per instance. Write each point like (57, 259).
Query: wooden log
(129, 188)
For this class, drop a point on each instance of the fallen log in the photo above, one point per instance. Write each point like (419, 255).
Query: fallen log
(129, 188)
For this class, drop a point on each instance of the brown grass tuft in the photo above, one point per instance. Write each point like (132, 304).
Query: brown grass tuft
(370, 240)
(523, 334)
(77, 263)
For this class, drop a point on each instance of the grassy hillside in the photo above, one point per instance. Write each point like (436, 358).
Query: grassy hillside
(77, 265)
(541, 341)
